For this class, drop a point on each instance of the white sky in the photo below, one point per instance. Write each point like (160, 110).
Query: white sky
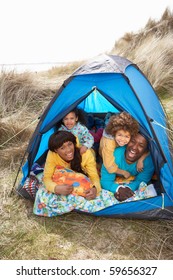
(33, 31)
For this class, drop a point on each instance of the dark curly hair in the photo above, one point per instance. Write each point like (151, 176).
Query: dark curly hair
(57, 139)
(122, 121)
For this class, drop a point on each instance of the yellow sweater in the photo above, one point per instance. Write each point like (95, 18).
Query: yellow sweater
(106, 150)
(88, 165)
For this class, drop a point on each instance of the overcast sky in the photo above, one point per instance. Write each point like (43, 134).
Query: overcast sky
(33, 31)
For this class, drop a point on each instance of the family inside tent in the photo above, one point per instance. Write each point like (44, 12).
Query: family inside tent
(130, 178)
(92, 162)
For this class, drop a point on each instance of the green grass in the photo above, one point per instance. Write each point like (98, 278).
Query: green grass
(78, 236)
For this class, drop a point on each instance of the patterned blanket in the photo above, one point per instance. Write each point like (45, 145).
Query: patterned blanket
(50, 204)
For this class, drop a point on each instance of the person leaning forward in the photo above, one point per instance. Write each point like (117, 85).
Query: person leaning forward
(126, 158)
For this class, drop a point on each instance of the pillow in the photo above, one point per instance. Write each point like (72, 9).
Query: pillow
(79, 181)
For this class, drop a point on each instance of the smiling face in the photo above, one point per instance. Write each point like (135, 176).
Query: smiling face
(122, 137)
(66, 151)
(70, 120)
(136, 148)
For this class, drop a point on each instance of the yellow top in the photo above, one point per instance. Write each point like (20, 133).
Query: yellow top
(106, 150)
(88, 166)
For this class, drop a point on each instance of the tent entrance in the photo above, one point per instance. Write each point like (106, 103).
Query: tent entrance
(97, 103)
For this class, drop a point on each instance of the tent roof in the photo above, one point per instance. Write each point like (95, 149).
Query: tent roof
(104, 64)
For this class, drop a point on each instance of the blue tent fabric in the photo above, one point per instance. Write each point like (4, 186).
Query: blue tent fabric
(140, 208)
(104, 84)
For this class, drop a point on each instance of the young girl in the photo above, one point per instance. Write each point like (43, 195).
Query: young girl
(75, 122)
(118, 132)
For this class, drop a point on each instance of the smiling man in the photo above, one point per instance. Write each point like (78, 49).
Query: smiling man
(126, 158)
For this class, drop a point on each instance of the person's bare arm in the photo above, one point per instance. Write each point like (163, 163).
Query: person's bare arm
(122, 172)
(140, 163)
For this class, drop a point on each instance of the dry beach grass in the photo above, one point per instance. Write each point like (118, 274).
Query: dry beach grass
(23, 98)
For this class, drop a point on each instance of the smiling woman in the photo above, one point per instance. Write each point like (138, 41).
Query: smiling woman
(64, 152)
(66, 186)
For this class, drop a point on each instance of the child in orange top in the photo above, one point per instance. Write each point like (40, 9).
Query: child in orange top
(118, 132)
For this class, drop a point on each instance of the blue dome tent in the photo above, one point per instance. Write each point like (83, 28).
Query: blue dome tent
(110, 83)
